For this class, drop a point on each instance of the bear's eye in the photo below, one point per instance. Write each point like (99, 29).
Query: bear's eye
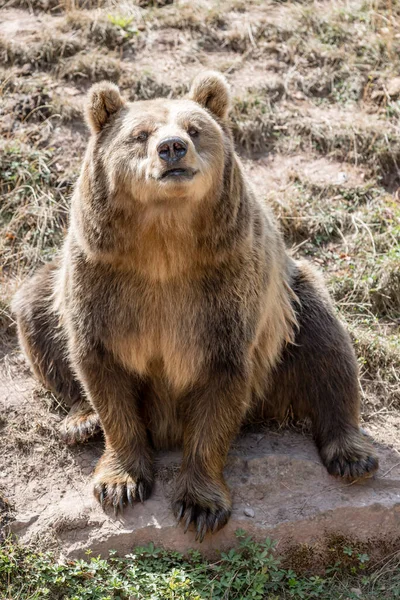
(142, 136)
(193, 132)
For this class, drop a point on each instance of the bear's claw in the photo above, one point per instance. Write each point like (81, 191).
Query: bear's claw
(204, 520)
(363, 467)
(118, 495)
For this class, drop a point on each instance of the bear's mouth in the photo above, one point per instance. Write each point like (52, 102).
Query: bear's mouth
(178, 173)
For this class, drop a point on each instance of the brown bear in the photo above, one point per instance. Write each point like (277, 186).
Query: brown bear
(174, 314)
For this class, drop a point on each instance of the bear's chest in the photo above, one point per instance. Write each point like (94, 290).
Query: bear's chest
(158, 330)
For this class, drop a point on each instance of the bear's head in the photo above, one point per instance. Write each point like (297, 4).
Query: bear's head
(161, 151)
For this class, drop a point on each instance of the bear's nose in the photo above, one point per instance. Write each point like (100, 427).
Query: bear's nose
(172, 149)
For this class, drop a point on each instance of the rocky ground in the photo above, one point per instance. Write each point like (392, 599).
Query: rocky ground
(316, 120)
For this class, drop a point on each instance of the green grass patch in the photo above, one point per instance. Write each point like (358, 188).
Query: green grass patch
(252, 571)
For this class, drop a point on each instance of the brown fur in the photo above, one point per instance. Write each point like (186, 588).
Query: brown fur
(179, 311)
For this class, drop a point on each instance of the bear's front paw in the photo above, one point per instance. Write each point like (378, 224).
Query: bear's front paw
(351, 458)
(116, 487)
(206, 506)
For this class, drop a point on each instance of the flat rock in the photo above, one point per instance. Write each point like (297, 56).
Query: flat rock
(292, 498)
(280, 490)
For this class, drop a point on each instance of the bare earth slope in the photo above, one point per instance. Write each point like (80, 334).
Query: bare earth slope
(316, 117)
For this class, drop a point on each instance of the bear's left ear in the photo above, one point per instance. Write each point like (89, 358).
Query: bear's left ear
(210, 89)
(104, 100)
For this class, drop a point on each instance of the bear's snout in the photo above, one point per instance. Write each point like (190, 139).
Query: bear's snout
(172, 149)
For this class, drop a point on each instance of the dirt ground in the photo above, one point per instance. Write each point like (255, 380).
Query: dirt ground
(315, 116)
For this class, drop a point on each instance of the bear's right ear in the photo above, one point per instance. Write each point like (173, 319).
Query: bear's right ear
(103, 101)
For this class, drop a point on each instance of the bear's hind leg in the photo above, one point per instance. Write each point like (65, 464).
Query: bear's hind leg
(318, 378)
(45, 346)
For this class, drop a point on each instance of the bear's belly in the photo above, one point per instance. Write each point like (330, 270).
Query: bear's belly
(154, 354)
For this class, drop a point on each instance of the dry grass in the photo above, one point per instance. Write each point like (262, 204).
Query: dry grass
(88, 67)
(379, 358)
(260, 123)
(54, 6)
(46, 52)
(102, 30)
(385, 295)
(33, 217)
(34, 210)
